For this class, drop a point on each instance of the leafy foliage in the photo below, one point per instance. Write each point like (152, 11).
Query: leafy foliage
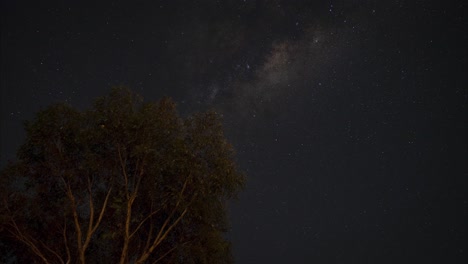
(126, 181)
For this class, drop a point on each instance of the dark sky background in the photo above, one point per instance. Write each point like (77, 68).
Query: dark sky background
(348, 117)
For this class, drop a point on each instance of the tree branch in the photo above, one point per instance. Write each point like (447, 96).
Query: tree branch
(101, 214)
(143, 221)
(124, 170)
(169, 251)
(150, 235)
(79, 235)
(29, 241)
(65, 240)
(93, 227)
(165, 254)
(52, 251)
(163, 232)
(91, 215)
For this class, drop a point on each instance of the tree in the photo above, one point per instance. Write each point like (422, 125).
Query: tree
(123, 182)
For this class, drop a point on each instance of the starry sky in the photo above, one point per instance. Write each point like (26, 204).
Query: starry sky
(349, 118)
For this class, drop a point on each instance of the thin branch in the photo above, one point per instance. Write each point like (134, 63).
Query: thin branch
(75, 215)
(65, 240)
(139, 167)
(143, 221)
(93, 227)
(137, 185)
(124, 170)
(52, 251)
(173, 211)
(19, 235)
(91, 214)
(165, 254)
(29, 241)
(148, 239)
(163, 232)
(158, 239)
(172, 249)
(101, 214)
(79, 235)
(169, 251)
(150, 235)
(171, 227)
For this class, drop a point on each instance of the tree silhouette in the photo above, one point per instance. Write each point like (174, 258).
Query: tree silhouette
(123, 182)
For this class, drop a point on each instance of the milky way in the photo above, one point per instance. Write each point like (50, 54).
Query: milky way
(348, 117)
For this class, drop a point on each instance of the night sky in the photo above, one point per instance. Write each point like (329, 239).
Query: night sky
(349, 118)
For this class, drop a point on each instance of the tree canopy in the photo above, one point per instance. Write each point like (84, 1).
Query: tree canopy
(123, 182)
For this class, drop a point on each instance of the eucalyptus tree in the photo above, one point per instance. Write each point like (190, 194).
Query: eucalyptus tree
(122, 182)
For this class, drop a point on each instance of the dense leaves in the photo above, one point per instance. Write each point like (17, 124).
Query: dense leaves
(126, 181)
